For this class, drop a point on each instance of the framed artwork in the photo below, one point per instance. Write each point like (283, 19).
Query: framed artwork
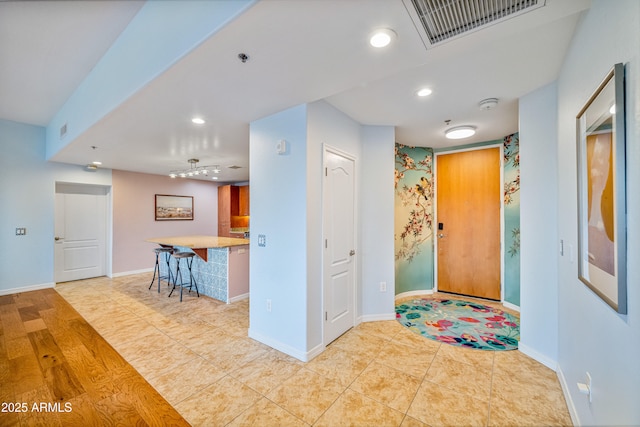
(172, 208)
(602, 262)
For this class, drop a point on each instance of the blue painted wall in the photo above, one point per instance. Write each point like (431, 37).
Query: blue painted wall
(27, 199)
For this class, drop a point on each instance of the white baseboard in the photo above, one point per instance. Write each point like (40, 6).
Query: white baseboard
(129, 273)
(552, 364)
(567, 397)
(378, 317)
(545, 360)
(27, 288)
(287, 349)
(511, 306)
(238, 298)
(414, 294)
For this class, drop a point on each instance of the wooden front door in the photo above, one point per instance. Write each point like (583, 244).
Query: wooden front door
(468, 222)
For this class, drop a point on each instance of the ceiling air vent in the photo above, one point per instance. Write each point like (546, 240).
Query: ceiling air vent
(443, 20)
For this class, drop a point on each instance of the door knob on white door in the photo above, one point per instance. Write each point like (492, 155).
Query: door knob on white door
(58, 238)
(352, 252)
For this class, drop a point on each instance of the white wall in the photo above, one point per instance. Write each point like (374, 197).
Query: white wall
(539, 225)
(288, 271)
(326, 126)
(175, 28)
(592, 337)
(278, 271)
(377, 164)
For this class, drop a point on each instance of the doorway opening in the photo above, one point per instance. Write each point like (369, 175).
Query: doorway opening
(82, 247)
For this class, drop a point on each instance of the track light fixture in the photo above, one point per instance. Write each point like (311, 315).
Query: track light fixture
(194, 170)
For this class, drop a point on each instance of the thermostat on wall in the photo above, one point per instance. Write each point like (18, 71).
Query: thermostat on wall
(281, 146)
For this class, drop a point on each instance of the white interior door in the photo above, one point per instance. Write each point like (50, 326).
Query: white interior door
(339, 244)
(80, 233)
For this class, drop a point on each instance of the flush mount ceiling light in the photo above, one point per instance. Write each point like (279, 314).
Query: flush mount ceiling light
(424, 92)
(382, 37)
(194, 170)
(460, 132)
(198, 121)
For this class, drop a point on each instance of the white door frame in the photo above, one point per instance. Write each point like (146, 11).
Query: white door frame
(326, 148)
(435, 211)
(79, 188)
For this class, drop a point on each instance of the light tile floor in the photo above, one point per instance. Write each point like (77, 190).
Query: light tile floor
(198, 356)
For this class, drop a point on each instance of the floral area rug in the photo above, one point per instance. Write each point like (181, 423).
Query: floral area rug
(460, 323)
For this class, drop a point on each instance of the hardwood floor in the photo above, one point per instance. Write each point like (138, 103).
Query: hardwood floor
(56, 370)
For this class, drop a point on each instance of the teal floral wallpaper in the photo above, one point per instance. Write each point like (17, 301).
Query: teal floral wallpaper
(414, 218)
(511, 173)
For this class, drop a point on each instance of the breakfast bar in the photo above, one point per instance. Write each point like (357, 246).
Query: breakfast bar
(220, 267)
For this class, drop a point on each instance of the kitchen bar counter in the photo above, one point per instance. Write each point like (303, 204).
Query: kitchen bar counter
(221, 268)
(200, 243)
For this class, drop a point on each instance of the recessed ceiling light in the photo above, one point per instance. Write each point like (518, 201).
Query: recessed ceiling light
(460, 132)
(96, 163)
(424, 92)
(198, 120)
(382, 37)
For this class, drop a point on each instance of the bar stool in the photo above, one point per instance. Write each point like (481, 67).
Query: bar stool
(167, 257)
(188, 256)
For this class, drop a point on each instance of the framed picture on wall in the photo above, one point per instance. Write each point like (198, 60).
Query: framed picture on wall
(173, 208)
(602, 262)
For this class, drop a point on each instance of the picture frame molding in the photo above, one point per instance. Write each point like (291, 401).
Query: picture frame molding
(169, 207)
(610, 281)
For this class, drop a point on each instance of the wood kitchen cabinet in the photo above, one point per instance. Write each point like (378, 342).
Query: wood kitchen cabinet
(243, 200)
(233, 210)
(228, 205)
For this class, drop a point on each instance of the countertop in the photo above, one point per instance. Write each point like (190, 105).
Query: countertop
(199, 242)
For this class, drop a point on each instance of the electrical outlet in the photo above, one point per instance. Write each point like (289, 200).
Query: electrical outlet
(21, 231)
(383, 286)
(586, 388)
(269, 305)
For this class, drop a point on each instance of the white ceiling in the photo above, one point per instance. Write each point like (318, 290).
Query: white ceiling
(299, 51)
